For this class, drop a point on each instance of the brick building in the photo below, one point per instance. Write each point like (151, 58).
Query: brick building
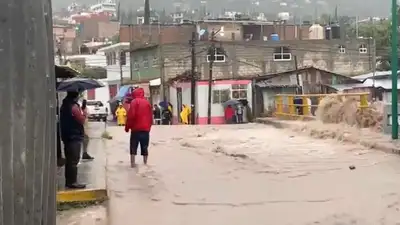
(64, 37)
(248, 58)
(243, 30)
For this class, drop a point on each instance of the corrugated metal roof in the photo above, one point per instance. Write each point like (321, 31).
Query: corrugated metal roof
(342, 87)
(266, 85)
(370, 75)
(381, 83)
(384, 83)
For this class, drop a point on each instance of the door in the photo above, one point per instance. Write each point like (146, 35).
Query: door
(179, 102)
(113, 90)
(91, 94)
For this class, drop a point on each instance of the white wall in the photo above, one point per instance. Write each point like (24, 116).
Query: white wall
(217, 110)
(102, 94)
(113, 71)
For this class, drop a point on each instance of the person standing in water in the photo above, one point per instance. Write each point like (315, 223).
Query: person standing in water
(86, 138)
(239, 113)
(139, 122)
(121, 115)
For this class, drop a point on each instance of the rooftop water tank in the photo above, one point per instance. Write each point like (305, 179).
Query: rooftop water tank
(335, 31)
(316, 31)
(332, 32)
(274, 37)
(284, 16)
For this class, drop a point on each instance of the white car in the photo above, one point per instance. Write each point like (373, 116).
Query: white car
(97, 110)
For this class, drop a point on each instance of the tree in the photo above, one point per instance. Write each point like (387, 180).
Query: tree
(94, 72)
(115, 39)
(380, 31)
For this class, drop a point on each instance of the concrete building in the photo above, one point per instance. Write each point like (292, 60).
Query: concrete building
(223, 90)
(246, 59)
(114, 56)
(306, 80)
(243, 30)
(64, 38)
(97, 29)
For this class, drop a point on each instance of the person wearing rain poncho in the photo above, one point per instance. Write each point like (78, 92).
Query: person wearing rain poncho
(121, 115)
(186, 111)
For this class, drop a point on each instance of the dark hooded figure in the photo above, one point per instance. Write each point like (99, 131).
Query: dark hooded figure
(72, 122)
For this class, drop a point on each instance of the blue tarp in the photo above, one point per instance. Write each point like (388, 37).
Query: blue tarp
(121, 93)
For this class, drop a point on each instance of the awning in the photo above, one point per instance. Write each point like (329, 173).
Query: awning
(155, 82)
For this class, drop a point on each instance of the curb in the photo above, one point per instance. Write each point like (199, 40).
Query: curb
(272, 122)
(82, 196)
(282, 125)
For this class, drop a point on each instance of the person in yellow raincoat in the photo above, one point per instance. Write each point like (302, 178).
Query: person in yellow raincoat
(185, 114)
(121, 115)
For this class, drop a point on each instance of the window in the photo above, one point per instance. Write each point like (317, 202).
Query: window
(108, 59)
(122, 58)
(342, 49)
(155, 61)
(181, 64)
(282, 54)
(239, 91)
(216, 55)
(363, 49)
(111, 58)
(220, 96)
(145, 61)
(135, 65)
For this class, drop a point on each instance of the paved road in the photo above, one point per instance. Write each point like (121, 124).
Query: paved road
(250, 174)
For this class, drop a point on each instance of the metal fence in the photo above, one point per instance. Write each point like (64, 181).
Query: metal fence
(305, 106)
(27, 111)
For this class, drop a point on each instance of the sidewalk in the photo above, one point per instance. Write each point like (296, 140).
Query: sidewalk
(92, 173)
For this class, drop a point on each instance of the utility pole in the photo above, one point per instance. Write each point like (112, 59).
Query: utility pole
(373, 66)
(211, 52)
(300, 89)
(161, 64)
(121, 74)
(394, 64)
(192, 43)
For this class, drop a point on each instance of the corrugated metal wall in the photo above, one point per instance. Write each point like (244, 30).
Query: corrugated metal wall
(27, 111)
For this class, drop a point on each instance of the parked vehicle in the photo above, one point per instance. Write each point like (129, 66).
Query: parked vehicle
(97, 110)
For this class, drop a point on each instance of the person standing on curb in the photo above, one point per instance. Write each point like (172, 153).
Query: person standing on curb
(72, 122)
(139, 122)
(86, 139)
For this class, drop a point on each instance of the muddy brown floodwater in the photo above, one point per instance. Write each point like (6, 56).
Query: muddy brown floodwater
(250, 174)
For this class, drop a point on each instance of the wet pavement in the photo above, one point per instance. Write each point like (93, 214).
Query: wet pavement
(94, 215)
(93, 172)
(250, 174)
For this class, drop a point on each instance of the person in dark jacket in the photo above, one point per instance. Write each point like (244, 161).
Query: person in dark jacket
(157, 114)
(139, 121)
(72, 122)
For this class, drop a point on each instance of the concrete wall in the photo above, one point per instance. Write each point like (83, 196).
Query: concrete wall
(251, 58)
(93, 28)
(114, 73)
(28, 108)
(102, 94)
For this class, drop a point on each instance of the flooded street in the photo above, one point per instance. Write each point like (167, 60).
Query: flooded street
(250, 174)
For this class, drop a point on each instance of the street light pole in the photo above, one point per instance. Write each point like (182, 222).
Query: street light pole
(394, 65)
